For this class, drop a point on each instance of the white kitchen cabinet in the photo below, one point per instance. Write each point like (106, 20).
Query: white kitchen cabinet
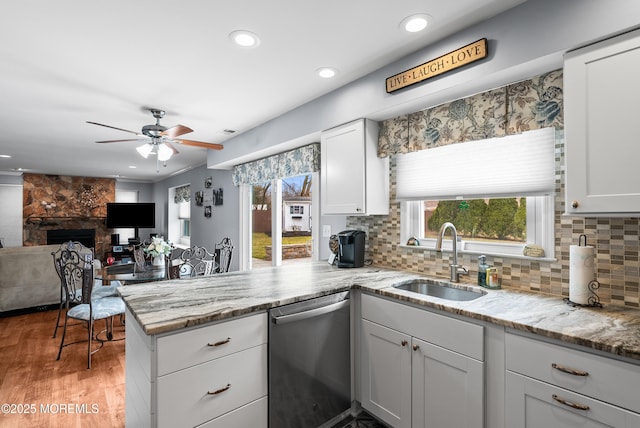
(354, 181)
(419, 368)
(386, 374)
(550, 385)
(215, 375)
(601, 142)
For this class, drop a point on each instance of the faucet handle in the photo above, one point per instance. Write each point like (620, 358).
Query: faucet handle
(463, 270)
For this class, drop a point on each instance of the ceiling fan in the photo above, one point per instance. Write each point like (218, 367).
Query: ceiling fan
(160, 138)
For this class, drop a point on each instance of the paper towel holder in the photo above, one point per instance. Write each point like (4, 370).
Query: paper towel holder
(594, 299)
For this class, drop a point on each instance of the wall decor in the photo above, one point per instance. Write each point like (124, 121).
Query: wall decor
(208, 182)
(199, 198)
(443, 64)
(217, 196)
(207, 211)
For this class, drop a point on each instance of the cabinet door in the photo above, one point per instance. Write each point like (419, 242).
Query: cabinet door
(447, 388)
(601, 141)
(534, 404)
(386, 374)
(342, 154)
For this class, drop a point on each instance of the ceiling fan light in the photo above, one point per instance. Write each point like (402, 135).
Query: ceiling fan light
(164, 153)
(145, 150)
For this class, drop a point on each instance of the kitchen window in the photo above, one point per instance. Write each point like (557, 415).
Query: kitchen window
(508, 184)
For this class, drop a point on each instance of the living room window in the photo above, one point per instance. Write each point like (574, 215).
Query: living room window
(507, 183)
(179, 216)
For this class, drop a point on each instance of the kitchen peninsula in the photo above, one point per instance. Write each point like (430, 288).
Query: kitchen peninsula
(168, 310)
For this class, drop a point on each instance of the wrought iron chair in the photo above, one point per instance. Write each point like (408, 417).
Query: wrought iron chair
(193, 262)
(61, 255)
(223, 253)
(76, 270)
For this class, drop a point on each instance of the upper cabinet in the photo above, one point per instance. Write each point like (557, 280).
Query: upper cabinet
(602, 146)
(355, 181)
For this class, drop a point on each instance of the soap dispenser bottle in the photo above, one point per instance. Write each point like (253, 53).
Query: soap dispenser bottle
(482, 271)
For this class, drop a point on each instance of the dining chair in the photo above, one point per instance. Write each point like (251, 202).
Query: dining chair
(76, 270)
(192, 262)
(63, 253)
(223, 252)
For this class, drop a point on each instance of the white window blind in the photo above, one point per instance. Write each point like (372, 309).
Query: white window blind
(521, 164)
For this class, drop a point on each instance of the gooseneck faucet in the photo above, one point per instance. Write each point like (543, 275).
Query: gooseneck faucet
(456, 270)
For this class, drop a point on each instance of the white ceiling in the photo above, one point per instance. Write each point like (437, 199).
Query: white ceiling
(71, 61)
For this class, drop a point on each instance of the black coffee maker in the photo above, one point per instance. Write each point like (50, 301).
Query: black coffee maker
(351, 248)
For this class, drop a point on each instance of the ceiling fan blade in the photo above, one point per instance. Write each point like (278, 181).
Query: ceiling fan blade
(168, 144)
(212, 146)
(113, 127)
(176, 131)
(117, 141)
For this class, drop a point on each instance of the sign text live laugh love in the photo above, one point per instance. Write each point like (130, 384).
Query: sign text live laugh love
(443, 64)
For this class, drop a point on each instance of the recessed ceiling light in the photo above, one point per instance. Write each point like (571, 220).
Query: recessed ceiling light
(415, 23)
(244, 38)
(5, 156)
(326, 72)
(132, 166)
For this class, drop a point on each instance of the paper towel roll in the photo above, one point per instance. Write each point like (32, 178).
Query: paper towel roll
(581, 273)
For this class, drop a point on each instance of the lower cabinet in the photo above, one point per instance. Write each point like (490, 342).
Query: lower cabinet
(428, 372)
(549, 385)
(211, 376)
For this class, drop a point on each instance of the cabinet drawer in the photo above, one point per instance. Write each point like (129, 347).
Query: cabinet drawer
(186, 349)
(254, 415)
(460, 336)
(195, 395)
(602, 378)
(531, 403)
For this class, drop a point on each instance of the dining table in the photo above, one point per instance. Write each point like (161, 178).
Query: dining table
(126, 274)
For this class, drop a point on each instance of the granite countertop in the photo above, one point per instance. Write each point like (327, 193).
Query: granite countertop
(166, 306)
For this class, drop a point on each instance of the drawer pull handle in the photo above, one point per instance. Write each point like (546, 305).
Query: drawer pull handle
(568, 370)
(569, 403)
(222, 342)
(404, 343)
(219, 391)
(416, 347)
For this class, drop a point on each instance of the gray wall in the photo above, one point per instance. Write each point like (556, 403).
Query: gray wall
(205, 232)
(523, 42)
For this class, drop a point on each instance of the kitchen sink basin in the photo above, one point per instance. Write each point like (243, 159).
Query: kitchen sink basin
(439, 289)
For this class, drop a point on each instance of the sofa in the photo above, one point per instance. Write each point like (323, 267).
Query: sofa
(28, 278)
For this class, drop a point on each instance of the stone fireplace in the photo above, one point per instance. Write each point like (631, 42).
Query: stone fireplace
(64, 203)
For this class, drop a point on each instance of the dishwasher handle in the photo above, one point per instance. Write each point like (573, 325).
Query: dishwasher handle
(298, 316)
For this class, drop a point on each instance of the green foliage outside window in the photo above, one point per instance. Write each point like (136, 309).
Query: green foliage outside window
(502, 219)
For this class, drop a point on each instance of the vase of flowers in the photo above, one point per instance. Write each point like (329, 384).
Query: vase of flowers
(158, 249)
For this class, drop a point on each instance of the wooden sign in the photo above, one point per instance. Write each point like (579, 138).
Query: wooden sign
(443, 64)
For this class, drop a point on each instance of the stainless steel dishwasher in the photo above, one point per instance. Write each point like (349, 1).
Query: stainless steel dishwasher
(309, 362)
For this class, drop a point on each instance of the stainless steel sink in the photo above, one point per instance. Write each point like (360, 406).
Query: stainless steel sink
(439, 289)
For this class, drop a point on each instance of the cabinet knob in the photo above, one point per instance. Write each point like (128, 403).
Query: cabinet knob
(574, 204)
(415, 347)
(404, 343)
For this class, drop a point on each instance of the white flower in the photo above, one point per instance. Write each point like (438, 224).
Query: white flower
(158, 246)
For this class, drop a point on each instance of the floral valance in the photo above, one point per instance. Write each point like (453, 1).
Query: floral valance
(182, 194)
(302, 160)
(523, 106)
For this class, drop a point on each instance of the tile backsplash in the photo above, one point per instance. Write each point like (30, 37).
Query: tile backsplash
(616, 241)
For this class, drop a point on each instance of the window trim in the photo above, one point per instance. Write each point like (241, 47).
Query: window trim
(540, 231)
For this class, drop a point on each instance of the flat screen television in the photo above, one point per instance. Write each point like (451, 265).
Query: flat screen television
(131, 214)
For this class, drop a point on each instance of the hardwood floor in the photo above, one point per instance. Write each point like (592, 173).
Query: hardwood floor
(59, 393)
